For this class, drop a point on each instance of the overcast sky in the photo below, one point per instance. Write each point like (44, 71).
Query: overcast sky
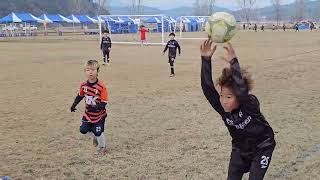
(168, 4)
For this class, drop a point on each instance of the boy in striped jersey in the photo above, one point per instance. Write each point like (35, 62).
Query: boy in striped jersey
(96, 97)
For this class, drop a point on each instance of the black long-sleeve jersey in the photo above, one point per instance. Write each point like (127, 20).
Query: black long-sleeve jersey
(105, 43)
(173, 45)
(247, 126)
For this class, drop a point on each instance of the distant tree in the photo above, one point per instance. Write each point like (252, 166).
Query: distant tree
(300, 8)
(276, 5)
(246, 7)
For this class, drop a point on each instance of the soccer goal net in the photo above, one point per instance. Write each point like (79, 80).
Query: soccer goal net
(128, 29)
(192, 27)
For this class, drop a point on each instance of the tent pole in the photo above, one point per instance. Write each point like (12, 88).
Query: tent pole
(100, 30)
(109, 29)
(180, 27)
(162, 29)
(25, 31)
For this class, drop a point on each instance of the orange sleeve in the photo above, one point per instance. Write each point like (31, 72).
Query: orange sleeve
(81, 92)
(104, 94)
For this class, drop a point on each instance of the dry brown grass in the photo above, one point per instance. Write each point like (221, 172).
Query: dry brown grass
(158, 127)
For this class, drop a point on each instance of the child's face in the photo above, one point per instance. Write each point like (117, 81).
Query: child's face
(91, 73)
(105, 34)
(171, 37)
(228, 100)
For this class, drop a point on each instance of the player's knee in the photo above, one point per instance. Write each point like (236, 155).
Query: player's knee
(84, 130)
(97, 134)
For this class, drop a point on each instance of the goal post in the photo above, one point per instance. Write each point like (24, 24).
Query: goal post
(124, 29)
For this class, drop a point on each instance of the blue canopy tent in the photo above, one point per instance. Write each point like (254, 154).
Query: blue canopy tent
(112, 23)
(97, 18)
(20, 18)
(304, 25)
(55, 18)
(120, 24)
(74, 19)
(128, 25)
(172, 23)
(80, 19)
(158, 20)
(83, 19)
(193, 24)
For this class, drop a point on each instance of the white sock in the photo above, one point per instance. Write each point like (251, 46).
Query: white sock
(101, 140)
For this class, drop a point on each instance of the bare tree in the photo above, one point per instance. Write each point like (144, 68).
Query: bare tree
(136, 6)
(132, 6)
(203, 7)
(140, 7)
(101, 5)
(196, 8)
(276, 5)
(246, 7)
(300, 7)
(211, 6)
(78, 6)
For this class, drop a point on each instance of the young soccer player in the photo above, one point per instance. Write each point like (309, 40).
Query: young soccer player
(312, 27)
(143, 36)
(284, 27)
(96, 97)
(172, 45)
(105, 46)
(297, 28)
(252, 137)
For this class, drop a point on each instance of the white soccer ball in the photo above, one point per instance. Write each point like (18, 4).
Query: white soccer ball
(221, 27)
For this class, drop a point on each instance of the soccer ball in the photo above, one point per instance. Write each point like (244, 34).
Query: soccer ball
(221, 27)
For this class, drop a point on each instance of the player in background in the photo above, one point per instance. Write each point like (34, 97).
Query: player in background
(143, 37)
(172, 45)
(105, 46)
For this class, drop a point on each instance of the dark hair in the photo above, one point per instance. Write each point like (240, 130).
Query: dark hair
(226, 79)
(106, 31)
(172, 34)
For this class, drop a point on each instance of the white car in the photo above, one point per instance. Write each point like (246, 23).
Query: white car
(30, 28)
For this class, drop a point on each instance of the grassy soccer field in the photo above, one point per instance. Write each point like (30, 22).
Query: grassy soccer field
(158, 127)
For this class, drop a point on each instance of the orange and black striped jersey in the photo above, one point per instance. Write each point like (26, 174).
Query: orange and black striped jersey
(94, 94)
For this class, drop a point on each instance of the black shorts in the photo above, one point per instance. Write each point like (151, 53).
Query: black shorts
(255, 163)
(96, 128)
(106, 52)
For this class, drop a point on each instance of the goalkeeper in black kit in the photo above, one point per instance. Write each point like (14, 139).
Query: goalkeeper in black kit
(252, 137)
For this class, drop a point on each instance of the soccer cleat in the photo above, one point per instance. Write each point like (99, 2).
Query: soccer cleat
(171, 75)
(94, 142)
(101, 151)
